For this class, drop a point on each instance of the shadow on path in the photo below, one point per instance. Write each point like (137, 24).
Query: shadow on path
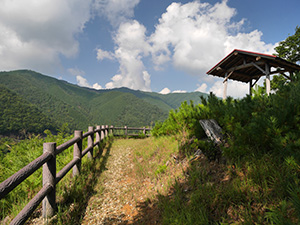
(72, 206)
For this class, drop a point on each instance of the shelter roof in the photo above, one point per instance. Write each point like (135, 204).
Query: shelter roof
(244, 66)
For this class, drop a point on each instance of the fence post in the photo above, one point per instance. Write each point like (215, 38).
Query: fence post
(102, 132)
(126, 131)
(112, 130)
(49, 176)
(144, 131)
(90, 142)
(98, 135)
(106, 131)
(77, 152)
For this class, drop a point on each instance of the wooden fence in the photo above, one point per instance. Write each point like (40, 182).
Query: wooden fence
(130, 131)
(48, 161)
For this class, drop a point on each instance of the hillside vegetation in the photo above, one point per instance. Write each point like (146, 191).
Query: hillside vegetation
(17, 114)
(253, 177)
(63, 103)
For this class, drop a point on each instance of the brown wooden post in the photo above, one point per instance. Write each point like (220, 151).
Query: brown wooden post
(102, 132)
(90, 142)
(126, 131)
(49, 176)
(112, 130)
(98, 135)
(106, 131)
(144, 131)
(77, 152)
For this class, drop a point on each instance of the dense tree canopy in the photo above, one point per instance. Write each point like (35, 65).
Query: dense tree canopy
(289, 49)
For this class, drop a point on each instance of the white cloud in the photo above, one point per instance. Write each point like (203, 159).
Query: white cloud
(76, 72)
(115, 83)
(202, 87)
(81, 80)
(234, 89)
(131, 47)
(116, 11)
(165, 91)
(195, 36)
(179, 91)
(97, 86)
(168, 91)
(101, 54)
(34, 33)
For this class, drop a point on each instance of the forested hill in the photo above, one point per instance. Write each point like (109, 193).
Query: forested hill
(56, 102)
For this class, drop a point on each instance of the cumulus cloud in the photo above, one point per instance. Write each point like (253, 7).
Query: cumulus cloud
(34, 33)
(194, 36)
(81, 80)
(235, 89)
(179, 91)
(165, 91)
(97, 86)
(116, 11)
(101, 54)
(202, 87)
(168, 91)
(132, 46)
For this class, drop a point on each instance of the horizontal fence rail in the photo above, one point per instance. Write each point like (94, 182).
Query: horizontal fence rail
(130, 131)
(48, 161)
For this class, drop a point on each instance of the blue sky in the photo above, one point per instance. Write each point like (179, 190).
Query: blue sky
(159, 45)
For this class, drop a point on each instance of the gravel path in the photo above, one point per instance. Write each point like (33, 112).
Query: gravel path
(115, 199)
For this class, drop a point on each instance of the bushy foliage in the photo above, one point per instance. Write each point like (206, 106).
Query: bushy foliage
(252, 125)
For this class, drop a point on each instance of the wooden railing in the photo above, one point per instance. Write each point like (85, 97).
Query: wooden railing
(48, 161)
(130, 131)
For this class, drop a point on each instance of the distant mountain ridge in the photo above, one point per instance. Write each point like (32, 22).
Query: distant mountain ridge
(61, 102)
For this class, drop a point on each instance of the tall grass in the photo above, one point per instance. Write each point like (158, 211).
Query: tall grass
(258, 179)
(17, 154)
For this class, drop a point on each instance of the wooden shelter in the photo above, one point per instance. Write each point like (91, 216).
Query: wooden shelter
(249, 67)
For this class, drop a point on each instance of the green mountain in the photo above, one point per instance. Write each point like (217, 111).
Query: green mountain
(56, 102)
(17, 114)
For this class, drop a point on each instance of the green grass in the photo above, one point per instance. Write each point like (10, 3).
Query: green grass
(255, 192)
(23, 152)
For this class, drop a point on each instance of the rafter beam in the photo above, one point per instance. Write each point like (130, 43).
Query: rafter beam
(255, 81)
(259, 68)
(226, 78)
(244, 66)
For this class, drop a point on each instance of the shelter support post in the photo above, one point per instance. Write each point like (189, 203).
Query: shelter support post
(268, 82)
(225, 87)
(250, 87)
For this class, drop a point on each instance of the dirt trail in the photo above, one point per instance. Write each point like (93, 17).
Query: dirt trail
(118, 191)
